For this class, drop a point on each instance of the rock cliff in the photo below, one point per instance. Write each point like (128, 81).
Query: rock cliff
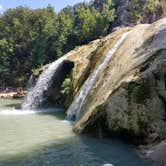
(138, 11)
(129, 98)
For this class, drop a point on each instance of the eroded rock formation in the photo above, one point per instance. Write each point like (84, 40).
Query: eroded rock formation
(128, 99)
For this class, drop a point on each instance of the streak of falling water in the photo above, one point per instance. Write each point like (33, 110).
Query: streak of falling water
(35, 96)
(75, 108)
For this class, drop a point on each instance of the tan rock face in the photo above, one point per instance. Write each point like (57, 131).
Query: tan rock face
(85, 58)
(129, 97)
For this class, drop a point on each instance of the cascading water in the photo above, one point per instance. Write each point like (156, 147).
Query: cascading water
(35, 96)
(75, 108)
(30, 83)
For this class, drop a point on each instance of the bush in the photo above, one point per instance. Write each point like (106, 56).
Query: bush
(66, 86)
(151, 5)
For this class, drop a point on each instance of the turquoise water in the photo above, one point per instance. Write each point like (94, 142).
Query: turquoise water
(46, 139)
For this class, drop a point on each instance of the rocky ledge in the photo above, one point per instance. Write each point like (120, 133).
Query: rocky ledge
(128, 99)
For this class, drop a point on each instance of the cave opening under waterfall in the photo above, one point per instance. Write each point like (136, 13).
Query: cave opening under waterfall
(53, 96)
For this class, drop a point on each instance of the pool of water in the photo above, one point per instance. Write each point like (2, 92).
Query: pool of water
(46, 139)
(10, 103)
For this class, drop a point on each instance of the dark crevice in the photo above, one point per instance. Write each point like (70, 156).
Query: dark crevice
(53, 96)
(164, 103)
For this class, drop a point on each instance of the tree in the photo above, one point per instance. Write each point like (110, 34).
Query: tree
(64, 28)
(32, 38)
(84, 23)
(5, 52)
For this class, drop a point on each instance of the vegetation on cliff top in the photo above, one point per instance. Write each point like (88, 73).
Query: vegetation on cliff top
(31, 38)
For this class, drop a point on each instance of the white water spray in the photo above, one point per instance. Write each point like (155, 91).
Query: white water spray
(34, 98)
(30, 83)
(75, 108)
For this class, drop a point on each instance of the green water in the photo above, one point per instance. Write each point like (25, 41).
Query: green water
(9, 103)
(45, 139)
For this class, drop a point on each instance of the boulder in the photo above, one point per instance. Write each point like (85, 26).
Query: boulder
(129, 97)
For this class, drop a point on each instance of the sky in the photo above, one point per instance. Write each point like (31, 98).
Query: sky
(57, 4)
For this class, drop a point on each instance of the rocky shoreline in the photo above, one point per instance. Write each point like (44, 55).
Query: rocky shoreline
(14, 94)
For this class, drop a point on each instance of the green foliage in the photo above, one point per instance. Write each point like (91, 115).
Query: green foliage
(5, 52)
(66, 86)
(151, 5)
(138, 8)
(32, 38)
(23, 39)
(63, 30)
(135, 9)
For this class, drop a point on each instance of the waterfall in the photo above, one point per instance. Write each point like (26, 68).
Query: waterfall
(30, 82)
(75, 108)
(34, 98)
